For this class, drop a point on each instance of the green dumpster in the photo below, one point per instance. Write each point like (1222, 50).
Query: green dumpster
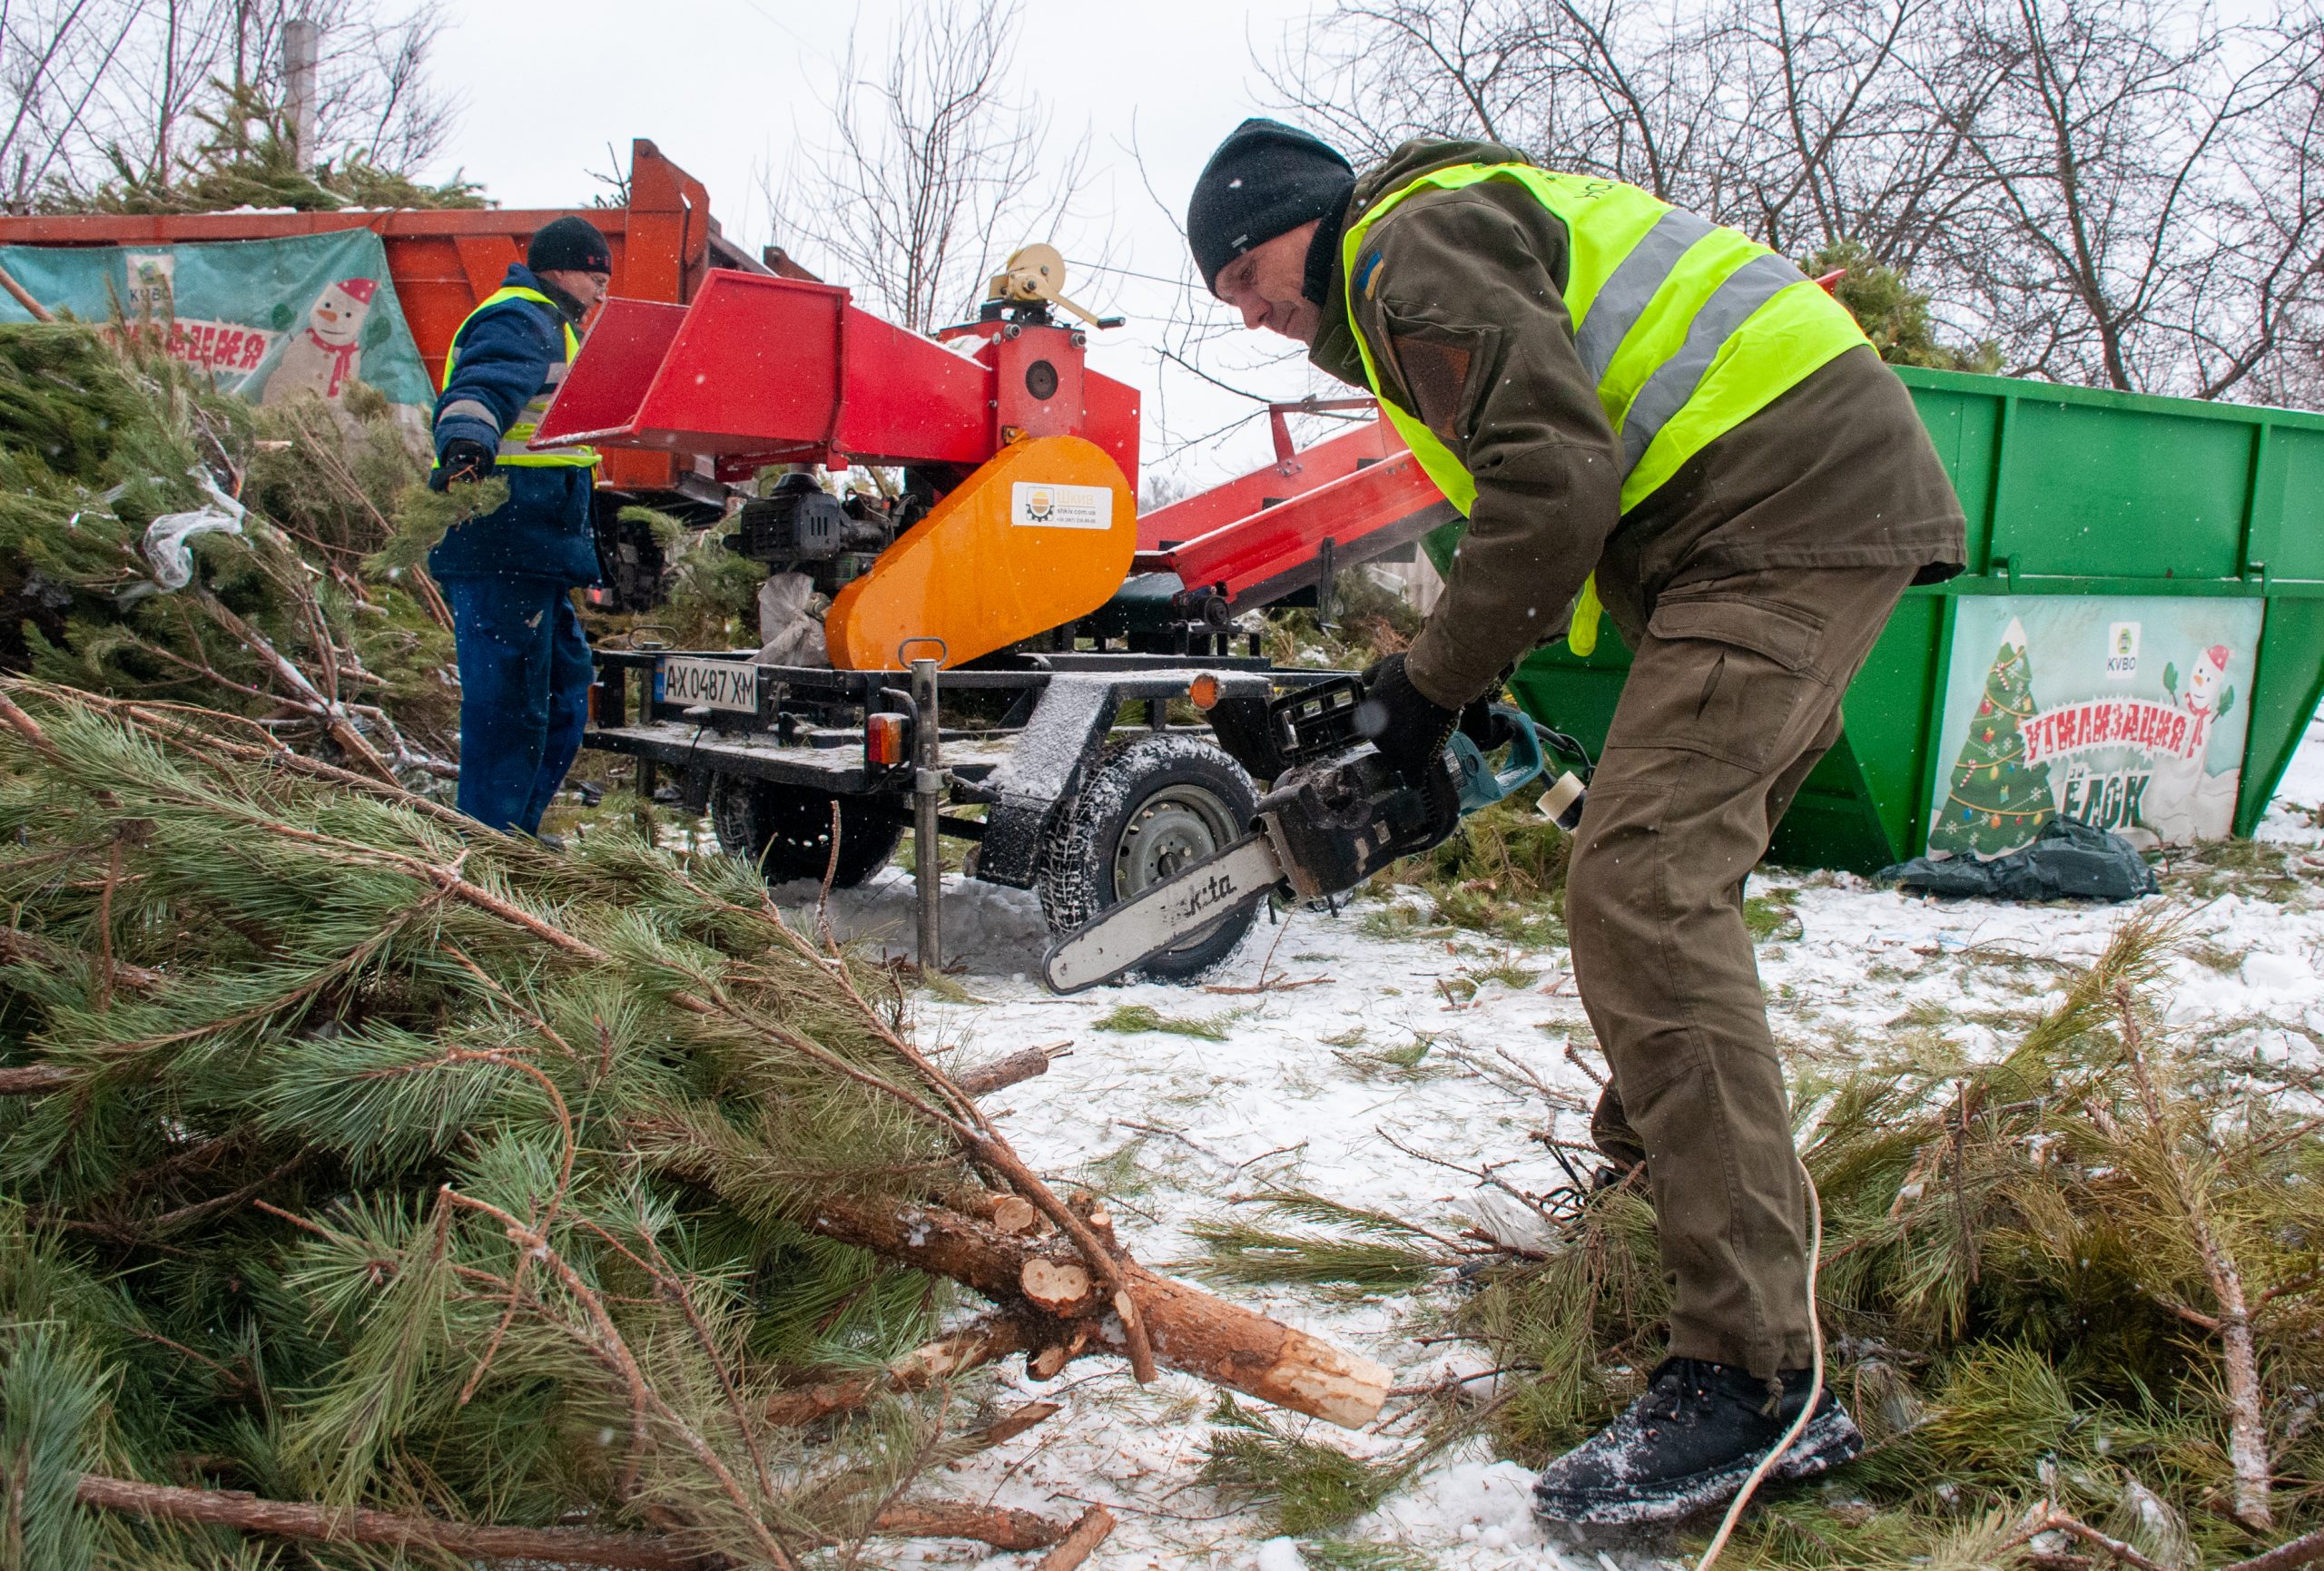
(2138, 640)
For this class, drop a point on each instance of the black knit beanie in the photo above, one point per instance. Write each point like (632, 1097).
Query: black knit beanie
(1266, 178)
(571, 244)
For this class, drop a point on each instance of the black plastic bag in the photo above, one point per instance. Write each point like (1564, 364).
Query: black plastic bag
(2067, 860)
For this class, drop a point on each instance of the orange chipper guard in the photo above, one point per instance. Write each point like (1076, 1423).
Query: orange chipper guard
(1040, 535)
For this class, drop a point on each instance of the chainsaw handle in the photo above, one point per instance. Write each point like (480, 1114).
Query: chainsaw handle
(1481, 785)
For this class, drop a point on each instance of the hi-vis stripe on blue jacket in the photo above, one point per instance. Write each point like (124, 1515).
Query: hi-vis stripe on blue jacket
(507, 358)
(505, 364)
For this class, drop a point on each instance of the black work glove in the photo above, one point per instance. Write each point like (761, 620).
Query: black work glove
(1489, 729)
(1409, 728)
(464, 460)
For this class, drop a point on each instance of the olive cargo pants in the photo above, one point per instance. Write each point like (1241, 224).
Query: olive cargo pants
(1733, 695)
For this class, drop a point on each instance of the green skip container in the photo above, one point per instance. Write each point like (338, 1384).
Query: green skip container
(2137, 642)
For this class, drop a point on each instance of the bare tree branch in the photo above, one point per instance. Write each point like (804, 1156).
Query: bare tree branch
(2124, 193)
(932, 173)
(102, 90)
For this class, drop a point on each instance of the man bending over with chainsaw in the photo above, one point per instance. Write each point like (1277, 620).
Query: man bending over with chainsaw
(1640, 409)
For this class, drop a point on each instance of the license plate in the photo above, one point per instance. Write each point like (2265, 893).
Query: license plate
(731, 684)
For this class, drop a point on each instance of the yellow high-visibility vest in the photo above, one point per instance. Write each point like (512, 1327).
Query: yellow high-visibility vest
(512, 449)
(1690, 328)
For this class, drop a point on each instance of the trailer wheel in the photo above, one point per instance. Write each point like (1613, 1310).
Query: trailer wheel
(786, 830)
(1152, 806)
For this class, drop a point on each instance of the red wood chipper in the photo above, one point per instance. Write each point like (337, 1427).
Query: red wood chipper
(1009, 556)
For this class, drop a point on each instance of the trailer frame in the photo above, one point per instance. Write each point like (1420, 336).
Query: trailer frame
(1064, 712)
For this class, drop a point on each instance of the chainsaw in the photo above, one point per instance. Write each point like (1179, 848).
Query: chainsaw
(1338, 812)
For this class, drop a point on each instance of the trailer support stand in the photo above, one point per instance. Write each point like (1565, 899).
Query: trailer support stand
(928, 789)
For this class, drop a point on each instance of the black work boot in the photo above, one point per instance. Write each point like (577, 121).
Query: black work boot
(1689, 1443)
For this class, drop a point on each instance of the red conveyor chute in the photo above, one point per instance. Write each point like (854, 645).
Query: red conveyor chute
(1280, 529)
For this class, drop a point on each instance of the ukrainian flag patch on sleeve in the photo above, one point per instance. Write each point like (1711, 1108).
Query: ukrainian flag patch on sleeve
(1367, 276)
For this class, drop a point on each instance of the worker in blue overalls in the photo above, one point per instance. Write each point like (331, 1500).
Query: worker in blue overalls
(510, 574)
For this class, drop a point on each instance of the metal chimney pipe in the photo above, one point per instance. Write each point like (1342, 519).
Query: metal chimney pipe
(301, 44)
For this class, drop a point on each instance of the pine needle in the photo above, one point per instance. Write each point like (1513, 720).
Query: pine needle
(1131, 1018)
(1302, 1487)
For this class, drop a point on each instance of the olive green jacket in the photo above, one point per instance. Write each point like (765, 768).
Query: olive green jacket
(1465, 316)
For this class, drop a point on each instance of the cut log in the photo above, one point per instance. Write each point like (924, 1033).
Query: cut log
(999, 1074)
(349, 1525)
(998, 1526)
(1192, 1331)
(1007, 1212)
(1045, 1364)
(988, 1341)
(1061, 1287)
(1002, 1528)
(1075, 1547)
(1229, 1346)
(1002, 1430)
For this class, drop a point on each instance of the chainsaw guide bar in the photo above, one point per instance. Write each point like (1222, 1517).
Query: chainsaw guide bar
(1164, 915)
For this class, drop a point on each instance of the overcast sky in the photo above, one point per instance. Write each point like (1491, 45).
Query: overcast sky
(732, 88)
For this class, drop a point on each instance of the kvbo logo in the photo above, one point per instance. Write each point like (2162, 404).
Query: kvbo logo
(2122, 651)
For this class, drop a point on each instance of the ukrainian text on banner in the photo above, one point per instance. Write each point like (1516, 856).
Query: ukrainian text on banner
(2118, 710)
(270, 318)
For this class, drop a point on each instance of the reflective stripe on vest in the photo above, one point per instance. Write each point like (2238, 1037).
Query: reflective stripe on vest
(1689, 329)
(512, 449)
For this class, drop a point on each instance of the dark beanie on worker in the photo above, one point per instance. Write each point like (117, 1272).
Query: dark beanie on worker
(1266, 180)
(573, 244)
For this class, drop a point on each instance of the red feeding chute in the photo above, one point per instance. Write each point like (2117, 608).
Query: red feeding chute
(771, 370)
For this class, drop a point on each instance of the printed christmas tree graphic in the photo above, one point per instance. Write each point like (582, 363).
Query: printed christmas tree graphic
(1996, 802)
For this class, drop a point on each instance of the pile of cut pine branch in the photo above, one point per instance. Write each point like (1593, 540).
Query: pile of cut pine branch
(250, 159)
(2074, 1296)
(164, 541)
(373, 1180)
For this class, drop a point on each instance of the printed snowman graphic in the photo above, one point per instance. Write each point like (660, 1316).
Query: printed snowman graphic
(322, 357)
(2184, 803)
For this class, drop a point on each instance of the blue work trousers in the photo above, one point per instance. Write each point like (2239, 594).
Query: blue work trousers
(525, 678)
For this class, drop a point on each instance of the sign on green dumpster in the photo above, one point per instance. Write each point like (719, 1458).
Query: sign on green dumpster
(2120, 711)
(2164, 561)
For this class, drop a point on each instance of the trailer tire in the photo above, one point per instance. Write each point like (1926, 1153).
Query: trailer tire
(785, 831)
(1151, 806)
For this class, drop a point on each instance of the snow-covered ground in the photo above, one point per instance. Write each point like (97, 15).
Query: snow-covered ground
(1173, 1128)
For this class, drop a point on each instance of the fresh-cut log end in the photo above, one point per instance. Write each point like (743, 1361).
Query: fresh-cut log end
(1257, 1356)
(1191, 1330)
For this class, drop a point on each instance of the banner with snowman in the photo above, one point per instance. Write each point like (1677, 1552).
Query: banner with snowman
(270, 318)
(2121, 712)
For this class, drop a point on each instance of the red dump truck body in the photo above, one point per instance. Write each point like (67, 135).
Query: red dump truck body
(443, 260)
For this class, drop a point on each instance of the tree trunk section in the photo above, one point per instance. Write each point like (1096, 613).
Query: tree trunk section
(334, 1525)
(988, 1341)
(1001, 1526)
(1193, 1332)
(1075, 1547)
(999, 1074)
